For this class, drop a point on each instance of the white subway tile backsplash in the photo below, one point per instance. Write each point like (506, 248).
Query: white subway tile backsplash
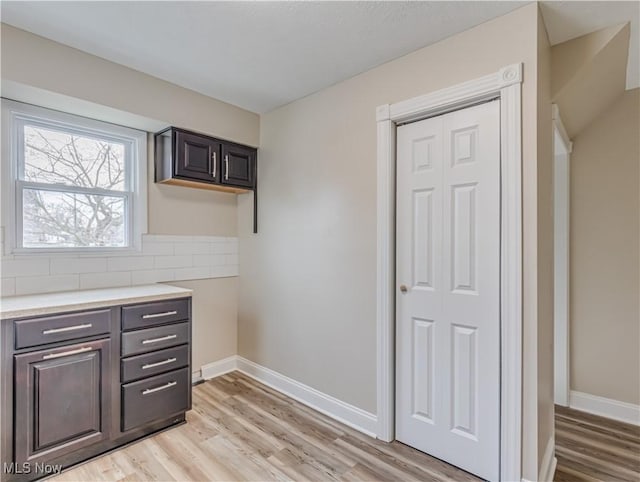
(232, 246)
(130, 263)
(78, 265)
(209, 239)
(224, 271)
(169, 238)
(209, 259)
(202, 259)
(105, 280)
(152, 276)
(177, 261)
(194, 248)
(46, 284)
(150, 248)
(24, 267)
(164, 258)
(8, 287)
(202, 272)
(221, 247)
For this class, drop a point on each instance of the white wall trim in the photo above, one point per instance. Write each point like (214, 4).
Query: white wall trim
(605, 407)
(196, 377)
(561, 241)
(506, 85)
(385, 259)
(562, 132)
(219, 368)
(343, 412)
(549, 462)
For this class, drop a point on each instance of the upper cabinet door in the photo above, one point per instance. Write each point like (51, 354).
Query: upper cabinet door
(197, 157)
(239, 165)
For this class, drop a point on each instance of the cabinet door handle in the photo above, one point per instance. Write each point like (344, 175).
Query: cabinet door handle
(214, 161)
(158, 364)
(67, 353)
(159, 315)
(157, 389)
(156, 340)
(52, 331)
(226, 167)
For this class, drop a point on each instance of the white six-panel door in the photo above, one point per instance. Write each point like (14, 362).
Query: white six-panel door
(448, 276)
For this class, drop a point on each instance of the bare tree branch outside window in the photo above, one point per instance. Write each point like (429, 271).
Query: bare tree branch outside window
(55, 218)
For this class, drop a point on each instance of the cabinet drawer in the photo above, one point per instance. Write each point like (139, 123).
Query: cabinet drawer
(152, 314)
(151, 339)
(153, 363)
(155, 398)
(52, 329)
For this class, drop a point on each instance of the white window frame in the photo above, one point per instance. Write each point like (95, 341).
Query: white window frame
(15, 115)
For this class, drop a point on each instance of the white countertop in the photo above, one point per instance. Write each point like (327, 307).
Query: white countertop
(42, 304)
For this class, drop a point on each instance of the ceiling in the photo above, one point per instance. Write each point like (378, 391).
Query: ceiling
(260, 55)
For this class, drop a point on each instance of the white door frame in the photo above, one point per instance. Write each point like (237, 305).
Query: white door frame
(562, 147)
(505, 85)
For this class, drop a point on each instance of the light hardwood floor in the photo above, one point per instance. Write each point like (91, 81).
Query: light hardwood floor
(241, 430)
(592, 448)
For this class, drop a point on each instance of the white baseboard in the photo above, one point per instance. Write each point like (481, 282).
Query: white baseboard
(549, 462)
(220, 367)
(605, 407)
(196, 377)
(343, 412)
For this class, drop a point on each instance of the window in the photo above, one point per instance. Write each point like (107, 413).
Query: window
(71, 183)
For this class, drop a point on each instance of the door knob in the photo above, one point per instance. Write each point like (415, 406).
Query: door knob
(403, 288)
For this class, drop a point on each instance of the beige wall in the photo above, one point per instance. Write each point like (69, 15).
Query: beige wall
(605, 286)
(545, 272)
(307, 284)
(215, 315)
(596, 62)
(47, 73)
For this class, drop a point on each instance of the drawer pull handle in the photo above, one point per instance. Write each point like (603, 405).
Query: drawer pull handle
(156, 340)
(226, 167)
(158, 364)
(67, 328)
(157, 389)
(67, 353)
(159, 315)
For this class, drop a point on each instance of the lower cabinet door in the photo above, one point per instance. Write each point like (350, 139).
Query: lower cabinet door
(61, 400)
(155, 398)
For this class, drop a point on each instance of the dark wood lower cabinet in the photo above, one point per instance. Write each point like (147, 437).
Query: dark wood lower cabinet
(154, 398)
(62, 400)
(67, 401)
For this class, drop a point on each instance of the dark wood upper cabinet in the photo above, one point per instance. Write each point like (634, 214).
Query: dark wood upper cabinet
(197, 157)
(186, 158)
(239, 165)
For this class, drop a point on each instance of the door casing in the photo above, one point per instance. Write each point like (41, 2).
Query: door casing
(505, 85)
(562, 147)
